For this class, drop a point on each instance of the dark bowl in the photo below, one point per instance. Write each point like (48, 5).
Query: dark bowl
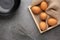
(11, 12)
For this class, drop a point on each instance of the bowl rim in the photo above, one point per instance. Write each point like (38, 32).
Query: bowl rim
(14, 8)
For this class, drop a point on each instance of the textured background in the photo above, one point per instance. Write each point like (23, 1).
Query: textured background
(22, 26)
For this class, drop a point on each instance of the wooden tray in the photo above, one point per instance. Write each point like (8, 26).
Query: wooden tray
(37, 20)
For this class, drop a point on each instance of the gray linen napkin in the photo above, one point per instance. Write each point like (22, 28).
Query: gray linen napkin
(54, 9)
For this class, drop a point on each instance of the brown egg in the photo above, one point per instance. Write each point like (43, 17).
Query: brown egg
(43, 16)
(52, 21)
(36, 9)
(43, 26)
(43, 5)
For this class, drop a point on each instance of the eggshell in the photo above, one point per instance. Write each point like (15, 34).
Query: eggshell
(36, 9)
(52, 21)
(43, 26)
(43, 5)
(43, 16)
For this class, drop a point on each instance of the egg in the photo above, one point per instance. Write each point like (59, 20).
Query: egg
(36, 9)
(43, 16)
(52, 21)
(43, 5)
(43, 26)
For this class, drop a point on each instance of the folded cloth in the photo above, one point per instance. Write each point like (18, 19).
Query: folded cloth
(54, 9)
(36, 2)
(6, 5)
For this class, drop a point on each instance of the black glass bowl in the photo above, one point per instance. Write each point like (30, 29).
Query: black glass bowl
(11, 12)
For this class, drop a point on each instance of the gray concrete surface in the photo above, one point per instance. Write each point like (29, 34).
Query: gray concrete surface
(22, 27)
